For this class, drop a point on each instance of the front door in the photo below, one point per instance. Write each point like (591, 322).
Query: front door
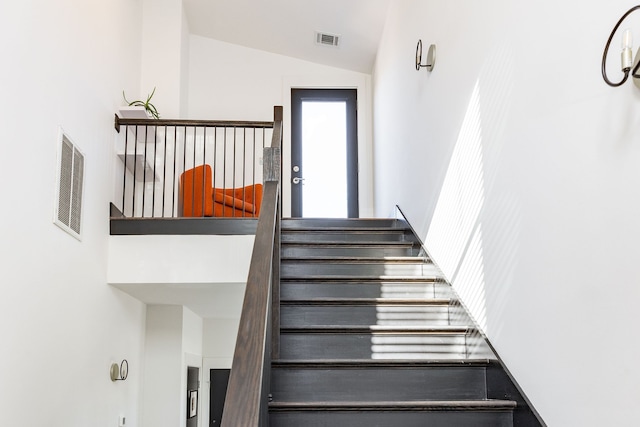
(324, 153)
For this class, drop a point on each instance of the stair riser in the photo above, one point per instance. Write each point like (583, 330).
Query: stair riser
(344, 237)
(365, 315)
(307, 346)
(337, 251)
(390, 419)
(290, 290)
(303, 268)
(379, 384)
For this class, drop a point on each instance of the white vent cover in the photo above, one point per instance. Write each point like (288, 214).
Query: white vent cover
(68, 210)
(327, 39)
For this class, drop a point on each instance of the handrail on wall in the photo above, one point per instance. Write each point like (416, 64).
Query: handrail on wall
(246, 403)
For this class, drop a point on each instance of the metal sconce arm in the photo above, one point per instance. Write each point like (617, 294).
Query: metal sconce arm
(634, 72)
(119, 373)
(431, 57)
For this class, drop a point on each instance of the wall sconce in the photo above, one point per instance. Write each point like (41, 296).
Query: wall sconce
(431, 57)
(627, 60)
(119, 372)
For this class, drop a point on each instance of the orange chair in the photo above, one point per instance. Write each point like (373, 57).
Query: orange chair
(197, 197)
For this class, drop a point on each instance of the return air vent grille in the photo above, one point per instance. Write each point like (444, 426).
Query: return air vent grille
(68, 212)
(327, 39)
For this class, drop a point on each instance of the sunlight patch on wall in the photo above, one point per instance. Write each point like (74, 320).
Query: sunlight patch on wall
(501, 238)
(496, 96)
(470, 283)
(462, 195)
(457, 212)
(455, 236)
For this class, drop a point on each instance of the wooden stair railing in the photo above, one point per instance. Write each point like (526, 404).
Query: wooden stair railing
(246, 403)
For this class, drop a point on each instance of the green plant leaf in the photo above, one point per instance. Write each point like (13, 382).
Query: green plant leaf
(151, 96)
(146, 104)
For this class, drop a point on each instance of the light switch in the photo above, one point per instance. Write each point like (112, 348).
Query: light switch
(122, 421)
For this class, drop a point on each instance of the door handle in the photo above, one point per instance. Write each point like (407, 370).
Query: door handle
(297, 180)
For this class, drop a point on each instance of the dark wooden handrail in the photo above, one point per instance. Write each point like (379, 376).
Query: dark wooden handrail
(119, 121)
(246, 403)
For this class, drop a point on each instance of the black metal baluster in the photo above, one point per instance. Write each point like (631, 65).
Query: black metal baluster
(235, 131)
(244, 166)
(155, 154)
(164, 170)
(144, 169)
(124, 173)
(204, 163)
(193, 179)
(224, 174)
(135, 166)
(253, 168)
(175, 147)
(215, 166)
(184, 164)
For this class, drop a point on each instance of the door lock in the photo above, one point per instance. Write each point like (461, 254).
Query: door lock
(297, 180)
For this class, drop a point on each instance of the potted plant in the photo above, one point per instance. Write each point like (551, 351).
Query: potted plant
(147, 105)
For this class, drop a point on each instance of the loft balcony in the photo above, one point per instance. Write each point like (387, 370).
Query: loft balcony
(184, 214)
(189, 176)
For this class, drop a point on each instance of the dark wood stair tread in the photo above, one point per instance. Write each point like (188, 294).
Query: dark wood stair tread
(342, 243)
(294, 223)
(345, 244)
(377, 329)
(369, 301)
(320, 282)
(377, 363)
(346, 229)
(359, 259)
(363, 278)
(419, 405)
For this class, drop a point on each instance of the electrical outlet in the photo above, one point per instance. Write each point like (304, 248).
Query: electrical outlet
(122, 421)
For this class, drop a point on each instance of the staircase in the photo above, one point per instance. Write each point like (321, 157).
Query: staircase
(372, 336)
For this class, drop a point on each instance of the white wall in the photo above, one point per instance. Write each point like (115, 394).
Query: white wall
(219, 340)
(192, 342)
(163, 377)
(173, 343)
(179, 259)
(206, 274)
(64, 63)
(232, 82)
(219, 343)
(164, 53)
(519, 167)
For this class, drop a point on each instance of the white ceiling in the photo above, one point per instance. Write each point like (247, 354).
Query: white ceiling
(288, 27)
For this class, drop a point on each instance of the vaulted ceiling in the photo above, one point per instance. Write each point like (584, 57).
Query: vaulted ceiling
(288, 27)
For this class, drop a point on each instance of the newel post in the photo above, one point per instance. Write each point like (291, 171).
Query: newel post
(272, 155)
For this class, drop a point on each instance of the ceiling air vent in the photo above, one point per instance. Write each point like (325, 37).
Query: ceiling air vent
(68, 210)
(327, 39)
